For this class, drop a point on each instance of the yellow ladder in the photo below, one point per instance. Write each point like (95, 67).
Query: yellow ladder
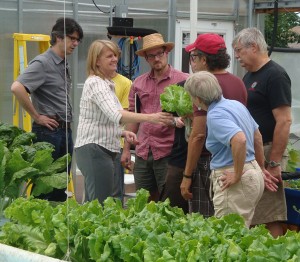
(20, 63)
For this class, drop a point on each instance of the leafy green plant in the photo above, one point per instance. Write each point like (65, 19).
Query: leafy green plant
(23, 163)
(293, 183)
(293, 158)
(286, 21)
(176, 99)
(142, 232)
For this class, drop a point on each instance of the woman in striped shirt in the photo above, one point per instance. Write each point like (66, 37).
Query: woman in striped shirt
(100, 122)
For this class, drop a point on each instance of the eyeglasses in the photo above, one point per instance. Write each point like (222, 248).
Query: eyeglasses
(193, 57)
(238, 49)
(74, 39)
(152, 56)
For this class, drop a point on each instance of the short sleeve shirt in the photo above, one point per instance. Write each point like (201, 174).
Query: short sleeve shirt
(156, 137)
(268, 88)
(48, 80)
(225, 119)
(232, 88)
(122, 88)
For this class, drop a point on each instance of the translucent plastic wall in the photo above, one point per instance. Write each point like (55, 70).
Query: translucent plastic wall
(38, 16)
(290, 61)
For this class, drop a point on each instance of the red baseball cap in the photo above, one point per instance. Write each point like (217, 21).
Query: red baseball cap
(208, 43)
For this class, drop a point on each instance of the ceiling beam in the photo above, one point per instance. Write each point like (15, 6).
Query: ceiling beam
(265, 6)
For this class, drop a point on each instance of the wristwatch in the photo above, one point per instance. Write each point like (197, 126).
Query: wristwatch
(273, 164)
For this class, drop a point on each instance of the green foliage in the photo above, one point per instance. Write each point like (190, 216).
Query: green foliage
(142, 232)
(22, 139)
(286, 21)
(293, 158)
(176, 99)
(8, 132)
(293, 183)
(24, 162)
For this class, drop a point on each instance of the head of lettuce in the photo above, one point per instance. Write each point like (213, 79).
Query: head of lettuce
(176, 99)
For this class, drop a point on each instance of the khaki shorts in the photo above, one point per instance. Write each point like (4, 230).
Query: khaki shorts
(272, 205)
(242, 197)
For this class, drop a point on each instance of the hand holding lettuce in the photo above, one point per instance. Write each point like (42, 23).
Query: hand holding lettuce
(176, 99)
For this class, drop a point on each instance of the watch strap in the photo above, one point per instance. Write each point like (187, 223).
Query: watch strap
(272, 163)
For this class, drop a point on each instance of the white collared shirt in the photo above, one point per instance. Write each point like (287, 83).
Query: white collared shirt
(99, 117)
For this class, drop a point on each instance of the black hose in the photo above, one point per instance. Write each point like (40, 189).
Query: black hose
(275, 25)
(289, 175)
(286, 50)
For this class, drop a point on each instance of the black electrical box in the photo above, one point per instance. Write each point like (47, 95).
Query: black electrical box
(122, 22)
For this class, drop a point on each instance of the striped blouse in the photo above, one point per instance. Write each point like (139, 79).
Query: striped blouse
(99, 117)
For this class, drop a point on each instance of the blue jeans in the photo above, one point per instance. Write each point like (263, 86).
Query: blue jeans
(63, 144)
(57, 137)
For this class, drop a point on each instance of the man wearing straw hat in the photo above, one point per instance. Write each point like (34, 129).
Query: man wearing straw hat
(155, 141)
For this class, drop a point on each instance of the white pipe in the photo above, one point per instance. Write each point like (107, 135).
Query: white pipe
(193, 22)
(250, 12)
(12, 254)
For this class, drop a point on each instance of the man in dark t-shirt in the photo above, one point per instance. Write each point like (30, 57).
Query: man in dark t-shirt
(268, 88)
(269, 102)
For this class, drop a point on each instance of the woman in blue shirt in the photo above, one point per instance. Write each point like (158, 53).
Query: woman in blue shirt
(238, 175)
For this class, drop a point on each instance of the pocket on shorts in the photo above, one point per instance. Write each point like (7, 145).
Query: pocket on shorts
(251, 186)
(219, 195)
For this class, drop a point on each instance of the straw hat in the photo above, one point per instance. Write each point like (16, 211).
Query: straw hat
(153, 41)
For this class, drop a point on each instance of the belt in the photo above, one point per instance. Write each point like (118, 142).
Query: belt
(63, 124)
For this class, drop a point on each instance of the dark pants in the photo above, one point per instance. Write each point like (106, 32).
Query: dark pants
(150, 174)
(63, 144)
(201, 201)
(172, 190)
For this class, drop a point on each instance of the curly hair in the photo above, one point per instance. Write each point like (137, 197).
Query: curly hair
(221, 60)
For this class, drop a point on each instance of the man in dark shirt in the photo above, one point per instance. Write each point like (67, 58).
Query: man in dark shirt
(269, 102)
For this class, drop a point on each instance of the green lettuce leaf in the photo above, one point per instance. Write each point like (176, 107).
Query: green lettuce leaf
(176, 99)
(42, 159)
(23, 139)
(59, 165)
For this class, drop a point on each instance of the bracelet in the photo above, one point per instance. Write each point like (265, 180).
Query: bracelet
(189, 177)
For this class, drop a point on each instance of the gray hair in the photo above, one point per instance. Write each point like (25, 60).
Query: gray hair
(249, 36)
(205, 86)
